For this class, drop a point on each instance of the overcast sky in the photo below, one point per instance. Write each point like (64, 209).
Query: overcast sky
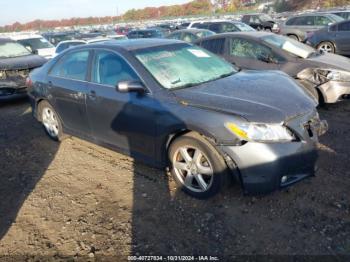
(28, 10)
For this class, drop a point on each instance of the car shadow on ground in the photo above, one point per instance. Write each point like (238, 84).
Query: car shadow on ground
(26, 154)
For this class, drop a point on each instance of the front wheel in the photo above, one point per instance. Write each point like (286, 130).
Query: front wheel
(196, 166)
(326, 47)
(50, 120)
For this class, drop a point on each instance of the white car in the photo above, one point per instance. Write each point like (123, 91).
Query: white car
(36, 44)
(61, 46)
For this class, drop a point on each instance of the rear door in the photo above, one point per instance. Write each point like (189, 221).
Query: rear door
(343, 37)
(68, 86)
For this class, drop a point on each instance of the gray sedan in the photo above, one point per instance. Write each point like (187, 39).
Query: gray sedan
(169, 103)
(325, 76)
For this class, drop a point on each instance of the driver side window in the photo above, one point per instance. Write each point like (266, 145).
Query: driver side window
(110, 69)
(250, 50)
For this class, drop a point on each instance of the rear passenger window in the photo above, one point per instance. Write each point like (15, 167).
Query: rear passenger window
(215, 46)
(250, 50)
(72, 66)
(110, 69)
(175, 36)
(304, 21)
(344, 26)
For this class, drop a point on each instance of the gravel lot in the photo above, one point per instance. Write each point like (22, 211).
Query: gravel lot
(79, 200)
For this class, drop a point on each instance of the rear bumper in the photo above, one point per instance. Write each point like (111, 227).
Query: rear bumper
(264, 168)
(334, 91)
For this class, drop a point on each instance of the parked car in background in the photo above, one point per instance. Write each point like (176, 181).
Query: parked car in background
(36, 44)
(71, 43)
(204, 119)
(15, 64)
(259, 21)
(57, 37)
(345, 14)
(297, 27)
(324, 76)
(145, 33)
(117, 37)
(68, 44)
(122, 30)
(332, 39)
(221, 26)
(190, 35)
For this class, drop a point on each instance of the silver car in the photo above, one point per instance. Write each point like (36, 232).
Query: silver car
(298, 26)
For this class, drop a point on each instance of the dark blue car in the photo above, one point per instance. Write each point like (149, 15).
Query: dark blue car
(172, 104)
(332, 39)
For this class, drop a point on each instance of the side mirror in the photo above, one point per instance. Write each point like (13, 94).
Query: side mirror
(130, 86)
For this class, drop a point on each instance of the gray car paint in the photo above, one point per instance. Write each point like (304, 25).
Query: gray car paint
(291, 65)
(244, 96)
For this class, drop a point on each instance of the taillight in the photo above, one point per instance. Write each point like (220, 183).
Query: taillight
(29, 82)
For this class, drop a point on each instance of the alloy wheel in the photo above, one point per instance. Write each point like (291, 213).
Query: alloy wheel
(193, 169)
(50, 122)
(326, 48)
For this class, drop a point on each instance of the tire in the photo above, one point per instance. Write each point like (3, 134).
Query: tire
(268, 29)
(295, 37)
(197, 167)
(51, 121)
(326, 47)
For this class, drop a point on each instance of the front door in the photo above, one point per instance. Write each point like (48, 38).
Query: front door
(123, 120)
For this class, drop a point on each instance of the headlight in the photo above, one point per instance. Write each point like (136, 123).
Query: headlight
(261, 132)
(2, 75)
(335, 75)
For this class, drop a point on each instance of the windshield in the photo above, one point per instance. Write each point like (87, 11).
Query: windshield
(180, 66)
(36, 43)
(11, 49)
(290, 45)
(336, 18)
(244, 27)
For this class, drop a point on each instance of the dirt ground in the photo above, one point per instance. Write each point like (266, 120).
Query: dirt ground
(76, 200)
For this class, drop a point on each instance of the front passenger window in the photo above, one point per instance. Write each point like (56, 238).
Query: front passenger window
(246, 49)
(110, 69)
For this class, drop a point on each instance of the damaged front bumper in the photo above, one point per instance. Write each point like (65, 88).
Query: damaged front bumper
(332, 91)
(12, 90)
(264, 167)
(12, 84)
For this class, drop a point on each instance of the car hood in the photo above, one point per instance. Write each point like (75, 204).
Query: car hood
(258, 96)
(22, 62)
(332, 61)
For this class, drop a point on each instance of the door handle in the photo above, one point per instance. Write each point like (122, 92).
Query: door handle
(49, 84)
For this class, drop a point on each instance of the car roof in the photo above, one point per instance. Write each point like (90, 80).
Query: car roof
(25, 36)
(136, 44)
(248, 34)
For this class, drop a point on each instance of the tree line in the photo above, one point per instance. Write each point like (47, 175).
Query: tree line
(193, 8)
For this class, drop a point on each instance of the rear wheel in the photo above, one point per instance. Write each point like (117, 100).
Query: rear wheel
(50, 120)
(326, 47)
(197, 167)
